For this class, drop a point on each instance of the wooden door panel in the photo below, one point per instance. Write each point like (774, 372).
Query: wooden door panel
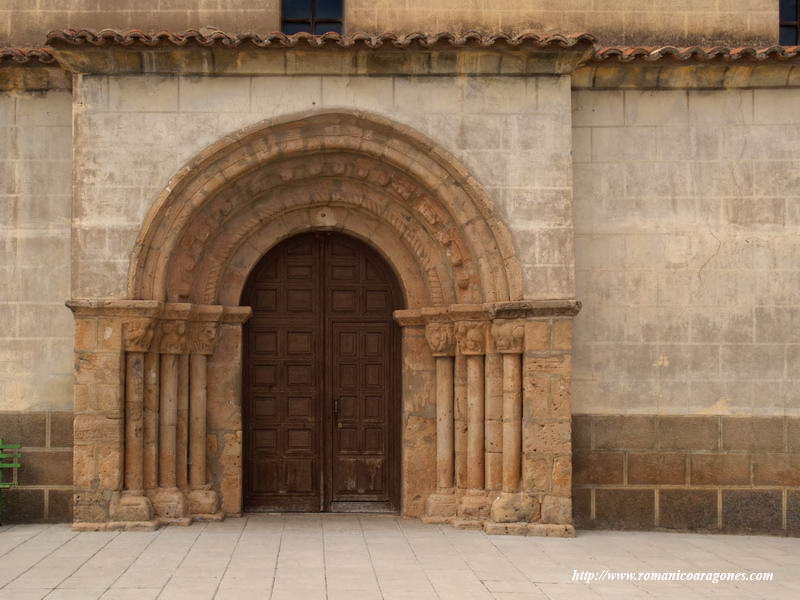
(321, 390)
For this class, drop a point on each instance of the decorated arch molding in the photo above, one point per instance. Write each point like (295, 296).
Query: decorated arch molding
(344, 170)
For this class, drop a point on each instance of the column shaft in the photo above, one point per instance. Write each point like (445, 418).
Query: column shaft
(182, 429)
(475, 417)
(151, 402)
(197, 421)
(494, 421)
(134, 413)
(168, 420)
(512, 422)
(444, 422)
(460, 421)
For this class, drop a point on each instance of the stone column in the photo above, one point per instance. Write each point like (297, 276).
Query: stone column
(203, 501)
(460, 420)
(182, 425)
(471, 336)
(511, 506)
(151, 403)
(169, 501)
(132, 505)
(441, 506)
(494, 417)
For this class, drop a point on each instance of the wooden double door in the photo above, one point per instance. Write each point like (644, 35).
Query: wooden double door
(321, 391)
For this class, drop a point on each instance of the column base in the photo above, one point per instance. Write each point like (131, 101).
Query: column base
(169, 504)
(441, 505)
(130, 507)
(203, 502)
(475, 505)
(514, 507)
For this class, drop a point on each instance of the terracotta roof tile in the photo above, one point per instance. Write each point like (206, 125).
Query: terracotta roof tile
(696, 53)
(26, 55)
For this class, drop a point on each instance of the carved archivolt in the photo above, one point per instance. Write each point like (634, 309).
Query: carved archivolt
(390, 186)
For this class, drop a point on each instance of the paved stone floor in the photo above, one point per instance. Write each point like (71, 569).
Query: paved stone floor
(368, 557)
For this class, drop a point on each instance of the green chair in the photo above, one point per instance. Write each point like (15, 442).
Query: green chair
(8, 460)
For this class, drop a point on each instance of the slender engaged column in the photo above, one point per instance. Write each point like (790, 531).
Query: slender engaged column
(168, 421)
(203, 501)
(132, 505)
(471, 336)
(441, 506)
(445, 475)
(511, 506)
(460, 420)
(494, 419)
(134, 430)
(512, 422)
(475, 419)
(151, 402)
(197, 423)
(182, 426)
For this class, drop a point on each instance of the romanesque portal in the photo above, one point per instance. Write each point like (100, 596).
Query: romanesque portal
(483, 415)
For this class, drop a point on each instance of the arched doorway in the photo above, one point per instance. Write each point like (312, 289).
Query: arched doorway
(321, 378)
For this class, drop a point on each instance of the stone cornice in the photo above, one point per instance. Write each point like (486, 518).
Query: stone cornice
(419, 53)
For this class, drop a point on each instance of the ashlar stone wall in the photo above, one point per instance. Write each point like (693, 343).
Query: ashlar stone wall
(132, 133)
(686, 228)
(35, 326)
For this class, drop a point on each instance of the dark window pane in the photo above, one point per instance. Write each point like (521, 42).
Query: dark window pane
(788, 10)
(329, 9)
(297, 9)
(290, 28)
(326, 27)
(788, 36)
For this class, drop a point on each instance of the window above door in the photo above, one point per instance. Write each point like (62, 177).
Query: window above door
(312, 16)
(790, 22)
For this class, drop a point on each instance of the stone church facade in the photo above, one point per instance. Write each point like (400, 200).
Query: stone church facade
(506, 276)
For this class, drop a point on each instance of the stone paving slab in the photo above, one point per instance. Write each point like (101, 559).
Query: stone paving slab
(348, 557)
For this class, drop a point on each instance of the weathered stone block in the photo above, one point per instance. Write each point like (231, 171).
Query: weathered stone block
(597, 468)
(720, 469)
(688, 509)
(546, 438)
(752, 510)
(46, 468)
(753, 434)
(625, 509)
(776, 469)
(557, 509)
(23, 428)
(625, 432)
(669, 469)
(688, 433)
(581, 432)
(59, 506)
(23, 506)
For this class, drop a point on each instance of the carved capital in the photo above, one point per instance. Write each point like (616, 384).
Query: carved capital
(441, 338)
(202, 337)
(471, 336)
(509, 336)
(173, 337)
(137, 334)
